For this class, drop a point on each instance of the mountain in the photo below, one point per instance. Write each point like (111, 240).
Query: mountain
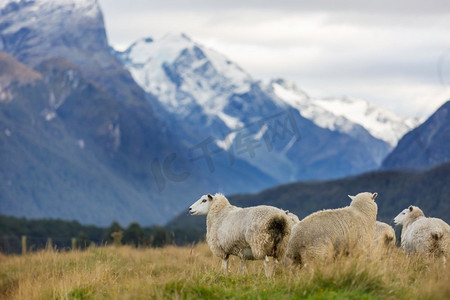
(204, 94)
(80, 139)
(396, 191)
(344, 115)
(70, 150)
(78, 134)
(426, 146)
(36, 30)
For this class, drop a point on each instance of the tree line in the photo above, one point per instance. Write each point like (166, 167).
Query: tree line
(61, 234)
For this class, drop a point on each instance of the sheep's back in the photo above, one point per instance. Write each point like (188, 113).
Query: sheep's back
(342, 227)
(418, 236)
(231, 230)
(238, 228)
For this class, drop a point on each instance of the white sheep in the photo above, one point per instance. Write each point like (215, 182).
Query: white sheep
(330, 233)
(384, 237)
(251, 233)
(429, 236)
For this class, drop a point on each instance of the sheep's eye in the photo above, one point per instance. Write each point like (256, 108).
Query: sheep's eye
(204, 200)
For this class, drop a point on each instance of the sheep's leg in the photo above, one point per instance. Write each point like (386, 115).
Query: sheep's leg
(275, 263)
(225, 265)
(242, 266)
(267, 267)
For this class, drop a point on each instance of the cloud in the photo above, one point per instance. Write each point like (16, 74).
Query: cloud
(380, 6)
(390, 52)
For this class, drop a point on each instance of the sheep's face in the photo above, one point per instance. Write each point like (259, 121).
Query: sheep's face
(411, 213)
(202, 205)
(401, 217)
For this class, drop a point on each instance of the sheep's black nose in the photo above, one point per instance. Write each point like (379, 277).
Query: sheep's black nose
(190, 208)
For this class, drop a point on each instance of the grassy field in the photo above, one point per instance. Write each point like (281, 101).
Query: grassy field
(193, 273)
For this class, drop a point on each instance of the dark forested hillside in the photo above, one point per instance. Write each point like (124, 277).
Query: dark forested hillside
(429, 190)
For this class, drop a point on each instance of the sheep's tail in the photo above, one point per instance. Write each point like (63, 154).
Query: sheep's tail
(436, 244)
(389, 240)
(279, 231)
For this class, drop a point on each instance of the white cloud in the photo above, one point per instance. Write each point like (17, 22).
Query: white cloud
(394, 54)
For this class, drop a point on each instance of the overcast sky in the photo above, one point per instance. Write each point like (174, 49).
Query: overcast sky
(393, 54)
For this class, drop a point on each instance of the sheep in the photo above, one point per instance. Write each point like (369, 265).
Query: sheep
(330, 233)
(384, 237)
(422, 235)
(251, 233)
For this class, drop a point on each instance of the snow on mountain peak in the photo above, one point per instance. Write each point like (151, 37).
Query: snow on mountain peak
(184, 74)
(380, 122)
(344, 114)
(288, 93)
(289, 85)
(165, 50)
(37, 30)
(88, 8)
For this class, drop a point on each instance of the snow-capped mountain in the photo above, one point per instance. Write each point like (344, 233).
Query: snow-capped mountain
(342, 114)
(183, 74)
(77, 7)
(36, 30)
(82, 140)
(204, 94)
(186, 76)
(30, 29)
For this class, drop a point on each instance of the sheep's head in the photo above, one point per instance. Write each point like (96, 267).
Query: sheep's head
(202, 205)
(363, 197)
(409, 213)
(365, 203)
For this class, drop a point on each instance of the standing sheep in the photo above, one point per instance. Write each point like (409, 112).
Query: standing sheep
(329, 233)
(430, 236)
(384, 237)
(249, 233)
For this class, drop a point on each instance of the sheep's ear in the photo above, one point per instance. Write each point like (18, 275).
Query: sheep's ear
(374, 196)
(351, 197)
(410, 208)
(210, 197)
(286, 211)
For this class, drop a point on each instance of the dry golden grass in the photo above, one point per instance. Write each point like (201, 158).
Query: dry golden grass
(193, 273)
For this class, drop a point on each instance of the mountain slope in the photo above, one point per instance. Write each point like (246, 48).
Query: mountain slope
(79, 160)
(82, 130)
(424, 147)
